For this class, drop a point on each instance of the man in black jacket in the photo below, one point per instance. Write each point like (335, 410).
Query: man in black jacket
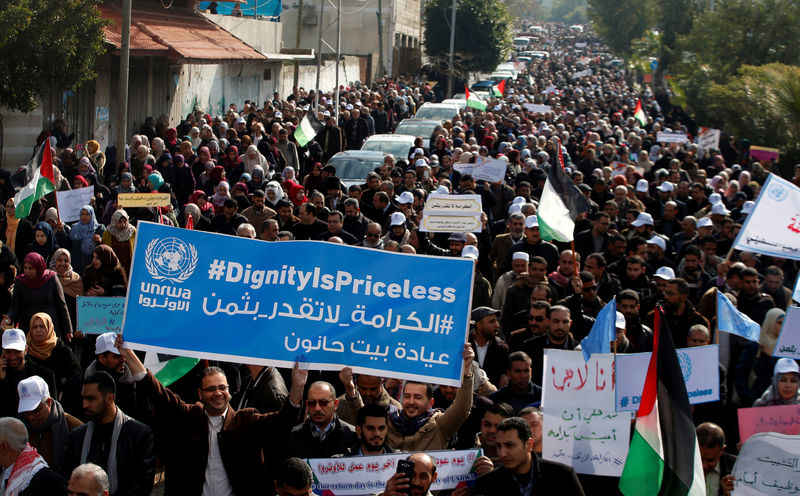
(229, 220)
(122, 446)
(323, 434)
(14, 367)
(27, 474)
(717, 465)
(522, 470)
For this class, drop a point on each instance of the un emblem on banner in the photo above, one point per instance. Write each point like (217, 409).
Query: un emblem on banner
(686, 365)
(777, 192)
(170, 259)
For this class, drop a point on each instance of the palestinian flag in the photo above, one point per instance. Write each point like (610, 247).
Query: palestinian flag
(473, 101)
(499, 89)
(42, 182)
(561, 202)
(664, 458)
(168, 369)
(639, 114)
(308, 128)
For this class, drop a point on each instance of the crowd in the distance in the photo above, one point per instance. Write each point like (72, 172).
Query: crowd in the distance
(661, 224)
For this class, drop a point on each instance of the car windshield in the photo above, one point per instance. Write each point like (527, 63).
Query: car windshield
(413, 129)
(399, 149)
(354, 168)
(436, 113)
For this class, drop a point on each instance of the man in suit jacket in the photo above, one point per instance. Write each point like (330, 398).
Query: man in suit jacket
(523, 472)
(717, 465)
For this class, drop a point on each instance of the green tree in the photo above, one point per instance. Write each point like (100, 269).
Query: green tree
(483, 34)
(46, 44)
(568, 11)
(619, 22)
(675, 18)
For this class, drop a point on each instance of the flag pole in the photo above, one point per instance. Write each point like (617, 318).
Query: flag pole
(575, 264)
(716, 313)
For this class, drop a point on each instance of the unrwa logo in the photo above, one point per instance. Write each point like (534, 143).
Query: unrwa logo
(777, 192)
(170, 259)
(686, 365)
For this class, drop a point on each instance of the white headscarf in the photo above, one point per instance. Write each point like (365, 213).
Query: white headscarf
(250, 163)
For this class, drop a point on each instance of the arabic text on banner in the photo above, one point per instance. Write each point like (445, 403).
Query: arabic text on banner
(773, 227)
(368, 474)
(99, 314)
(663, 137)
(788, 344)
(238, 299)
(452, 213)
(71, 201)
(144, 199)
(699, 365)
(580, 427)
(768, 464)
(784, 419)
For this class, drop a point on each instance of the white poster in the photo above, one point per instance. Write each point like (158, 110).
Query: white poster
(537, 108)
(663, 137)
(580, 427)
(71, 201)
(768, 464)
(452, 213)
(708, 138)
(699, 365)
(773, 227)
(788, 344)
(493, 171)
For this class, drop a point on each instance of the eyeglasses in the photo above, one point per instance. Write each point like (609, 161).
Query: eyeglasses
(211, 389)
(537, 318)
(589, 289)
(373, 235)
(322, 403)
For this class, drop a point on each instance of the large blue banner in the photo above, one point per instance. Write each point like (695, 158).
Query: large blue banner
(213, 296)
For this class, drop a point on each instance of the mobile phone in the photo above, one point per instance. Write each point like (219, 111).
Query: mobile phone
(406, 467)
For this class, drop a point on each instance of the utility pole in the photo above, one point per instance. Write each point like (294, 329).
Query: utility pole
(381, 70)
(452, 47)
(319, 56)
(338, 53)
(295, 83)
(124, 69)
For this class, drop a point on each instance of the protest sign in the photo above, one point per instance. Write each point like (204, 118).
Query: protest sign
(580, 44)
(329, 305)
(580, 74)
(99, 314)
(663, 137)
(144, 199)
(368, 474)
(618, 168)
(773, 227)
(788, 344)
(464, 168)
(580, 427)
(700, 367)
(537, 108)
(71, 201)
(796, 293)
(493, 170)
(452, 213)
(784, 419)
(768, 464)
(708, 138)
(764, 153)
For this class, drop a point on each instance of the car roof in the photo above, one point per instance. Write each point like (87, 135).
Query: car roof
(421, 121)
(362, 154)
(391, 137)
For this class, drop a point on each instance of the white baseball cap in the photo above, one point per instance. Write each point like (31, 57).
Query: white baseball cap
(642, 185)
(514, 207)
(715, 198)
(531, 221)
(521, 255)
(469, 251)
(32, 391)
(666, 187)
(747, 207)
(705, 222)
(14, 339)
(404, 198)
(442, 190)
(419, 151)
(397, 219)
(325, 113)
(719, 209)
(420, 162)
(518, 200)
(105, 342)
(785, 366)
(665, 273)
(643, 219)
(658, 241)
(620, 321)
(279, 115)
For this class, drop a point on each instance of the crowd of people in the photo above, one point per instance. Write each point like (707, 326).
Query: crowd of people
(83, 411)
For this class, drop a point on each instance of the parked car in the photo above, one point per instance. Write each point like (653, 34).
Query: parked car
(418, 128)
(397, 145)
(352, 166)
(437, 111)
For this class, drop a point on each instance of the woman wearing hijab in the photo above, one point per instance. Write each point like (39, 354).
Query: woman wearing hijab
(165, 168)
(184, 179)
(97, 157)
(47, 350)
(171, 143)
(120, 235)
(194, 137)
(200, 222)
(84, 236)
(297, 195)
(44, 241)
(37, 289)
(104, 276)
(232, 163)
(188, 152)
(17, 234)
(252, 158)
(222, 193)
(71, 282)
(274, 194)
(754, 370)
(142, 158)
(200, 199)
(275, 155)
(313, 181)
(158, 148)
(199, 164)
(257, 179)
(784, 387)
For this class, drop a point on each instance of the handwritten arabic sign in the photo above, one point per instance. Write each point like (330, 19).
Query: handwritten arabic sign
(699, 365)
(580, 426)
(784, 419)
(144, 199)
(708, 138)
(71, 201)
(329, 305)
(788, 344)
(99, 314)
(773, 227)
(768, 464)
(493, 171)
(663, 137)
(618, 168)
(368, 474)
(452, 213)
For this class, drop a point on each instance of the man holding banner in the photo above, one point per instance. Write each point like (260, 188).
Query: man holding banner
(209, 448)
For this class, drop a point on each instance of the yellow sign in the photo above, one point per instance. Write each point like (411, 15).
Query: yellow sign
(144, 199)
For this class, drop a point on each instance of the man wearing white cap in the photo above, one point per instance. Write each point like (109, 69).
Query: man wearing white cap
(481, 289)
(14, 367)
(643, 195)
(108, 359)
(656, 250)
(519, 265)
(533, 245)
(397, 229)
(623, 345)
(643, 225)
(47, 422)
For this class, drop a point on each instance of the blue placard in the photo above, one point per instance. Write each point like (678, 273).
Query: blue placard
(213, 296)
(99, 314)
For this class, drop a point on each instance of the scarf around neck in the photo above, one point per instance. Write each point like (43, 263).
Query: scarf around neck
(113, 477)
(407, 426)
(28, 464)
(43, 350)
(56, 424)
